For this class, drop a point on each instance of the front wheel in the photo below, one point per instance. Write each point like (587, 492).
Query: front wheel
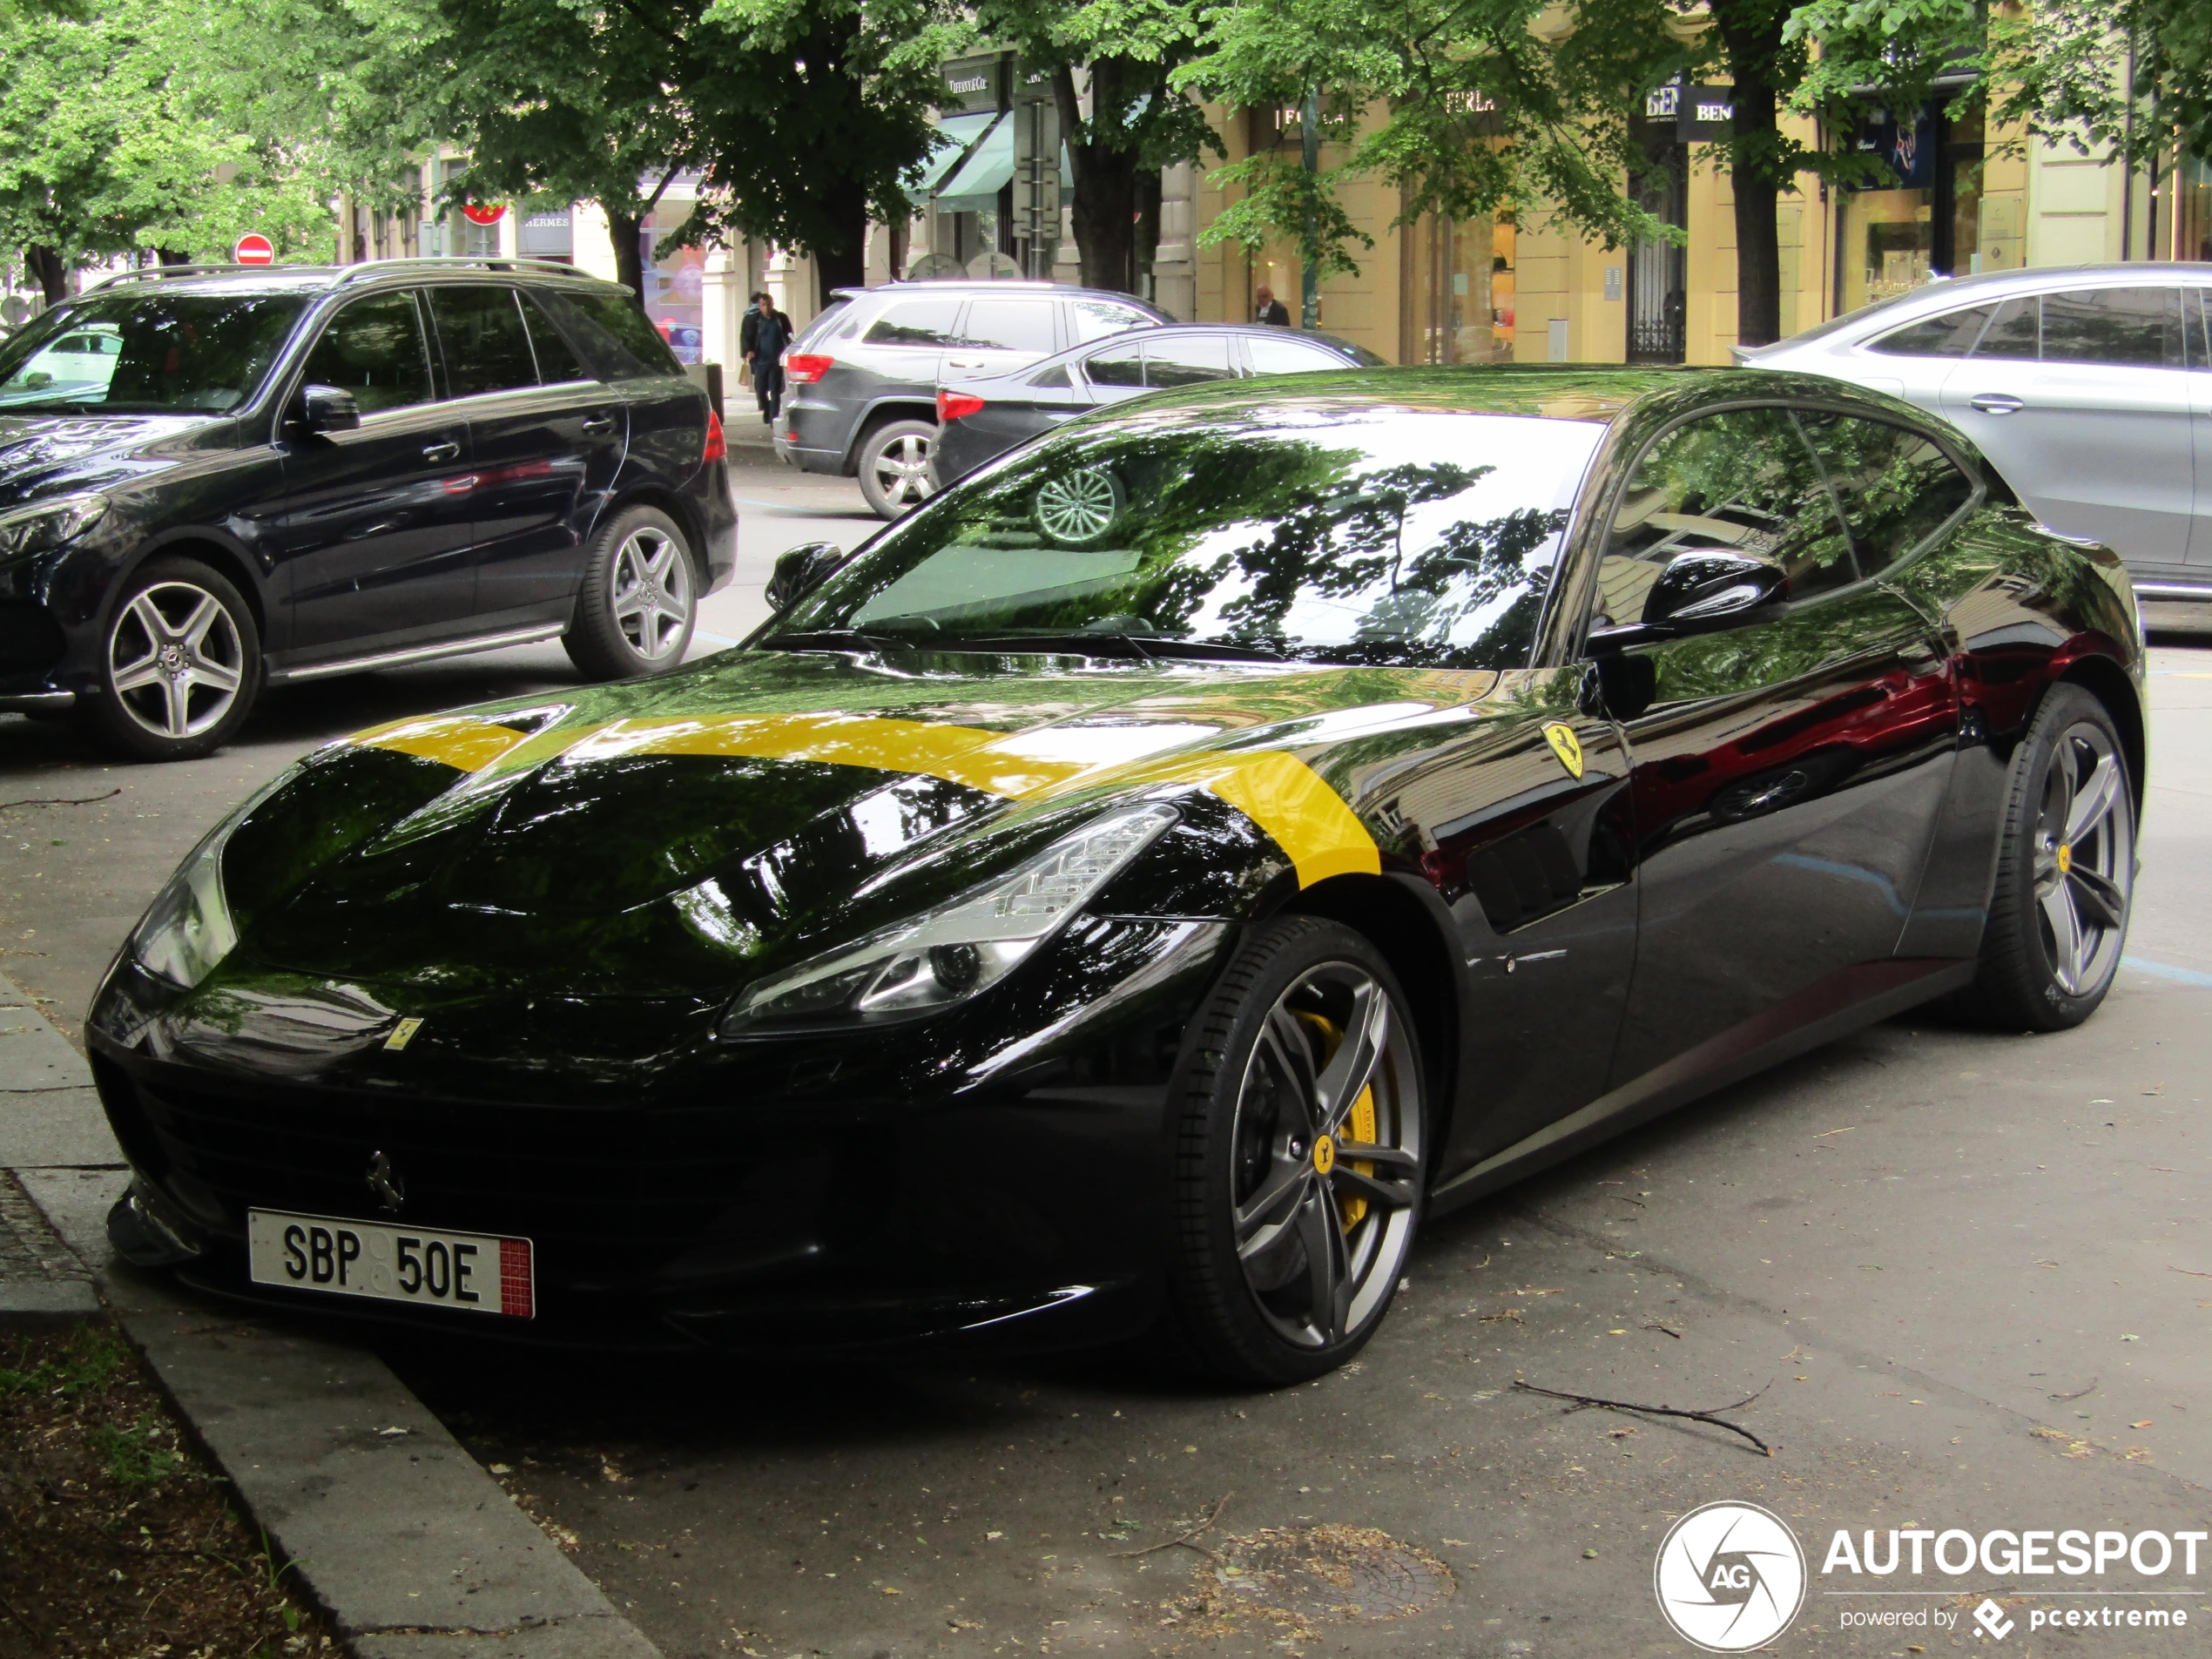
(895, 467)
(640, 601)
(1301, 1156)
(180, 665)
(2066, 873)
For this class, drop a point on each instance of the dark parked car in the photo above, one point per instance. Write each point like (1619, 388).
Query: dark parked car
(213, 482)
(980, 419)
(860, 380)
(1139, 887)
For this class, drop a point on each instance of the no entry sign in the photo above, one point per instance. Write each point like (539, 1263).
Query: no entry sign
(477, 214)
(253, 248)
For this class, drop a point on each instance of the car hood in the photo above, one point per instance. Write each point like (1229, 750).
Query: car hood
(53, 455)
(681, 834)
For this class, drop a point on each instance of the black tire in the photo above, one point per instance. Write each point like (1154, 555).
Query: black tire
(1248, 1165)
(893, 465)
(2068, 850)
(640, 598)
(180, 663)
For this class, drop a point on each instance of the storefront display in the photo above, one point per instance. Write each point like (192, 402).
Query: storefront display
(1458, 291)
(675, 286)
(1921, 216)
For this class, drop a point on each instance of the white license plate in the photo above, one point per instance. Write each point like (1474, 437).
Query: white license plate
(472, 1271)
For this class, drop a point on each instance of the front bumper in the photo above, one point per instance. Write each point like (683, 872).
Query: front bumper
(954, 1182)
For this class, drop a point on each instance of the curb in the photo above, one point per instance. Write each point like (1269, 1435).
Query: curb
(407, 1545)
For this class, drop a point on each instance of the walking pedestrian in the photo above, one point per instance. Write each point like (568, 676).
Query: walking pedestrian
(1270, 309)
(761, 339)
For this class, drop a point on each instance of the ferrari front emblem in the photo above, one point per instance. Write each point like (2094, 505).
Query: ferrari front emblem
(1567, 747)
(1324, 1155)
(403, 1033)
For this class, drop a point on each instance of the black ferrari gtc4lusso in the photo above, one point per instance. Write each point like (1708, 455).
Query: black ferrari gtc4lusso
(1133, 890)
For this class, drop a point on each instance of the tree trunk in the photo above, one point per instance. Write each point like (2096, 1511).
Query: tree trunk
(1146, 188)
(845, 264)
(896, 233)
(1105, 203)
(624, 230)
(1751, 30)
(47, 265)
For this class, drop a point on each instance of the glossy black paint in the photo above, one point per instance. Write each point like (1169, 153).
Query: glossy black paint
(350, 543)
(1790, 831)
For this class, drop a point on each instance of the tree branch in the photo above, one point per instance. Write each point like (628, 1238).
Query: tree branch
(1582, 1402)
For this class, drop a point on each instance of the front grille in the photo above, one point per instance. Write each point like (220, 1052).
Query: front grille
(605, 1193)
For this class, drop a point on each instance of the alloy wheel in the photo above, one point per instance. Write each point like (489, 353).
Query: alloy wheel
(2085, 858)
(901, 469)
(1328, 1150)
(652, 593)
(175, 660)
(1078, 508)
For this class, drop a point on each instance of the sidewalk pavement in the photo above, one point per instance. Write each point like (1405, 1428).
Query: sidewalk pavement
(409, 1547)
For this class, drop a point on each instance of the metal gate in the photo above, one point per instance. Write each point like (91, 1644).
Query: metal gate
(1658, 280)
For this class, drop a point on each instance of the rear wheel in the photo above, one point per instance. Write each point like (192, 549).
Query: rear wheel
(1301, 1156)
(2066, 873)
(180, 666)
(639, 600)
(895, 467)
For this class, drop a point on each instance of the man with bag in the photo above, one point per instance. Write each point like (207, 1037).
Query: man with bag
(761, 339)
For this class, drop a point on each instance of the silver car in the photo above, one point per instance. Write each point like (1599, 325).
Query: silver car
(2089, 387)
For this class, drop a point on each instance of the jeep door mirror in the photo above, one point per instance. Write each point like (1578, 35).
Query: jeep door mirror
(801, 571)
(327, 409)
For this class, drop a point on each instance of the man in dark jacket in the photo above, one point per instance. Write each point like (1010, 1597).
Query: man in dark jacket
(761, 339)
(1267, 308)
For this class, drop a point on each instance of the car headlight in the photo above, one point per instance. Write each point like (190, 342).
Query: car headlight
(188, 930)
(964, 947)
(45, 525)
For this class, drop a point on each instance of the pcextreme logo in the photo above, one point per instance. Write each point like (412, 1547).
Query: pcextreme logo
(1729, 1577)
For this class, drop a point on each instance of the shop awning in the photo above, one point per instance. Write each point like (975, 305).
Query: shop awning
(989, 169)
(958, 132)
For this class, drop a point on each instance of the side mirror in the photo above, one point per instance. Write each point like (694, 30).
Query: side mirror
(327, 409)
(1708, 588)
(801, 571)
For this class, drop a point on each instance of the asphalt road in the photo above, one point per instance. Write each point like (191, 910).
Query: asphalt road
(1972, 1275)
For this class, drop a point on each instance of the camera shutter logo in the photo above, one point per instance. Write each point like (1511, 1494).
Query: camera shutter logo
(1729, 1577)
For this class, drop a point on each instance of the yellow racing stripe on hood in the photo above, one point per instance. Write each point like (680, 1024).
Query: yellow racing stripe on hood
(1308, 820)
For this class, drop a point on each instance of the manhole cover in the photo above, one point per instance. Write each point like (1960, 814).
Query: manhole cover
(1348, 1573)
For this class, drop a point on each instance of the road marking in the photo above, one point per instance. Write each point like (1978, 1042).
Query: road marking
(2167, 970)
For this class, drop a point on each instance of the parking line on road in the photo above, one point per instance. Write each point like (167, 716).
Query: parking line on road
(2167, 970)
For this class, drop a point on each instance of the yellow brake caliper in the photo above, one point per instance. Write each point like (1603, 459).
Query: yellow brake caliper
(1362, 1120)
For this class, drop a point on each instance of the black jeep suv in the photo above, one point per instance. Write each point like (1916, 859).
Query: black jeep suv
(213, 481)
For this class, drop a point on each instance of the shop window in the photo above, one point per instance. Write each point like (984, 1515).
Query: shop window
(1460, 291)
(1921, 217)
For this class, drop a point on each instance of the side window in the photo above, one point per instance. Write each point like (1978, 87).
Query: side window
(915, 322)
(2124, 328)
(1895, 487)
(1115, 365)
(1272, 354)
(1953, 334)
(1188, 359)
(1741, 480)
(2016, 332)
(375, 349)
(557, 360)
(486, 347)
(1096, 318)
(1009, 325)
(617, 340)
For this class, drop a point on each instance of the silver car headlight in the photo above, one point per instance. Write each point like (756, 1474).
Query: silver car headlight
(45, 525)
(964, 947)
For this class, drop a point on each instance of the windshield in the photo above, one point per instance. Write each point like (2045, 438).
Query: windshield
(1319, 529)
(140, 353)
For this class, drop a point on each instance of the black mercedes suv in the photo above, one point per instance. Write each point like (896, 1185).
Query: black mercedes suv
(212, 479)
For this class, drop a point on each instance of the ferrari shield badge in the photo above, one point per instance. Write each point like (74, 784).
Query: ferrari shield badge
(1566, 747)
(403, 1033)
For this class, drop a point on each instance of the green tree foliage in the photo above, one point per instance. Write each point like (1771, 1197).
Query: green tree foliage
(1128, 53)
(127, 130)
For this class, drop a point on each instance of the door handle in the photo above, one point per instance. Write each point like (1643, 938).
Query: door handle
(967, 363)
(599, 425)
(1996, 403)
(445, 450)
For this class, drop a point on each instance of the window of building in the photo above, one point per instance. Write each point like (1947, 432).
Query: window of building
(1923, 217)
(1458, 295)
